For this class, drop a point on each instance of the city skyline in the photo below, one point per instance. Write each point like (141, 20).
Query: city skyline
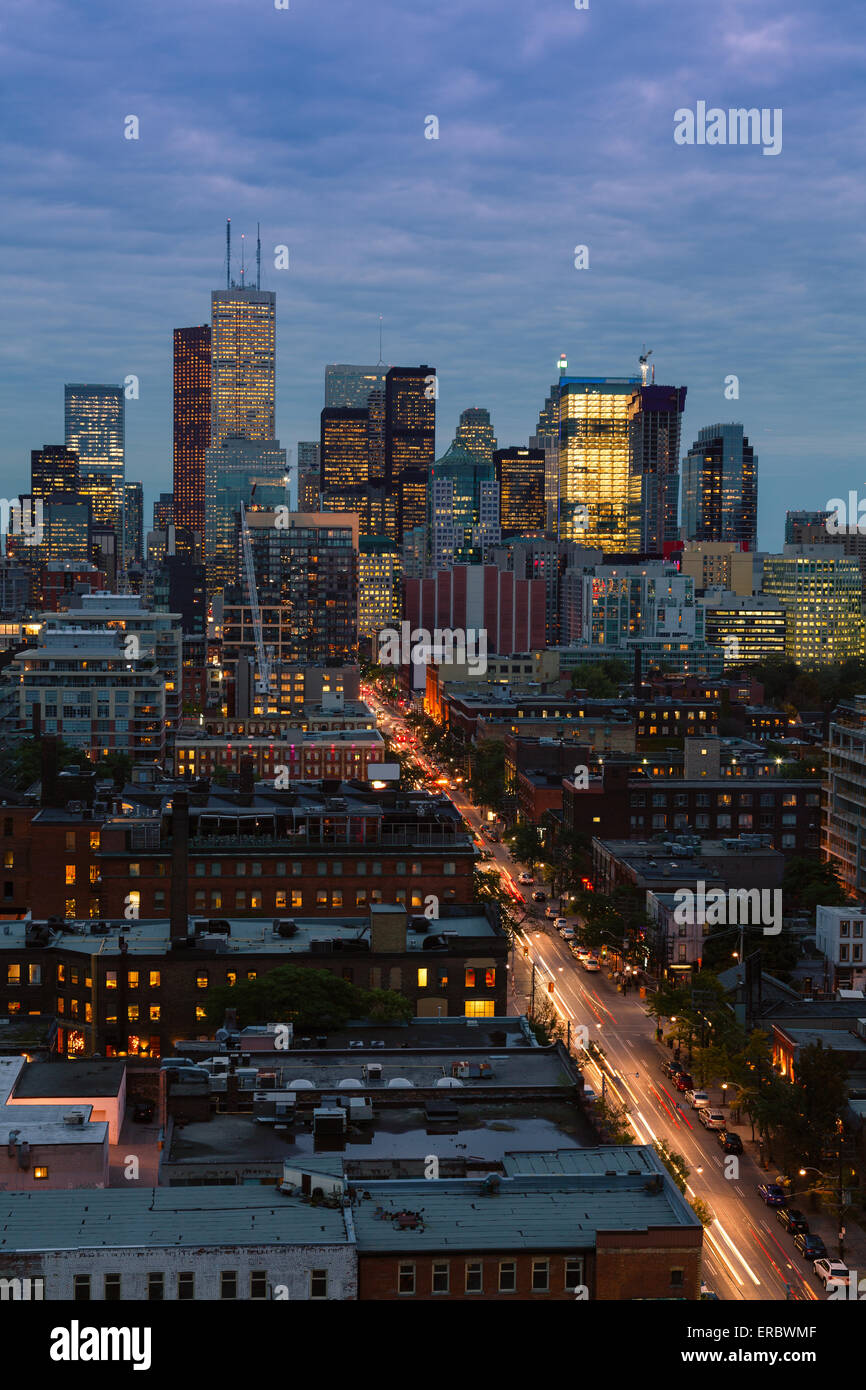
(742, 268)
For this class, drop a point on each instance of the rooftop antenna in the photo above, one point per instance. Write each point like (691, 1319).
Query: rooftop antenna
(644, 364)
(242, 260)
(228, 253)
(562, 364)
(381, 362)
(258, 256)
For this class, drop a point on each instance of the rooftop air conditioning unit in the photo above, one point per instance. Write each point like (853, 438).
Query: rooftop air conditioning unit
(74, 1118)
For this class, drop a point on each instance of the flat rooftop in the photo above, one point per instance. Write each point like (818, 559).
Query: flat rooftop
(248, 935)
(87, 1078)
(159, 1217)
(483, 1131)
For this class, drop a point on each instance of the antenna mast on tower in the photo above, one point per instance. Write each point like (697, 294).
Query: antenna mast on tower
(380, 363)
(228, 253)
(258, 256)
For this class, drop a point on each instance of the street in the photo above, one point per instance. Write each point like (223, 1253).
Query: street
(747, 1254)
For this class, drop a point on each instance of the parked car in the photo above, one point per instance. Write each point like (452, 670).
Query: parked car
(142, 1112)
(793, 1220)
(684, 1081)
(590, 964)
(711, 1119)
(539, 897)
(830, 1272)
(697, 1099)
(730, 1141)
(773, 1194)
(582, 951)
(670, 1068)
(589, 1095)
(550, 913)
(567, 933)
(525, 877)
(561, 922)
(810, 1246)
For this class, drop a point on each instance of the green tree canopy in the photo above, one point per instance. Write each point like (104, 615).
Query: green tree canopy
(306, 997)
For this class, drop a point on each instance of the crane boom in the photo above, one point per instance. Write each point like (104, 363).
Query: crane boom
(264, 658)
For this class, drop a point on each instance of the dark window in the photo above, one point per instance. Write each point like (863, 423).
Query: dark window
(258, 1283)
(81, 1288)
(112, 1288)
(185, 1286)
(229, 1283)
(155, 1287)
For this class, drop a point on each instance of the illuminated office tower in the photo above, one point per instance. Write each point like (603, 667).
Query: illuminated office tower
(546, 437)
(192, 422)
(374, 504)
(410, 439)
(243, 364)
(819, 589)
(243, 470)
(348, 387)
(133, 515)
(655, 419)
(343, 451)
(750, 628)
(720, 488)
(376, 435)
(94, 419)
(475, 433)
(599, 499)
(53, 468)
(521, 477)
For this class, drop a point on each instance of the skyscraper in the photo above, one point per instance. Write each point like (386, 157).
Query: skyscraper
(655, 418)
(243, 364)
(546, 437)
(475, 433)
(133, 519)
(463, 506)
(163, 511)
(94, 418)
(244, 470)
(348, 387)
(410, 440)
(599, 499)
(344, 449)
(720, 488)
(53, 468)
(192, 422)
(521, 477)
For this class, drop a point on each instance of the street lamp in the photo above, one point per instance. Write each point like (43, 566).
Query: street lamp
(808, 1168)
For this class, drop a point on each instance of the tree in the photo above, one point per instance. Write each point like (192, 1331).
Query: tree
(612, 1118)
(306, 997)
(808, 882)
(524, 843)
(675, 1163)
(545, 1022)
(487, 773)
(22, 765)
(600, 679)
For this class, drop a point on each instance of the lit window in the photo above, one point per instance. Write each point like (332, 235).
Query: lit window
(40, 1173)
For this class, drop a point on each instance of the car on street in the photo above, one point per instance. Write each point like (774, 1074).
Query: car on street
(539, 897)
(684, 1081)
(730, 1141)
(590, 965)
(830, 1272)
(589, 1095)
(810, 1246)
(671, 1068)
(772, 1194)
(697, 1099)
(793, 1220)
(142, 1113)
(567, 933)
(708, 1294)
(561, 922)
(550, 913)
(711, 1119)
(525, 877)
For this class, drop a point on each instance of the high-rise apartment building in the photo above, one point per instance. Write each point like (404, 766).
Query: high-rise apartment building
(344, 451)
(720, 487)
(843, 838)
(243, 364)
(521, 477)
(463, 509)
(819, 589)
(410, 440)
(379, 596)
(192, 423)
(655, 419)
(348, 387)
(475, 433)
(95, 431)
(599, 497)
(243, 470)
(133, 523)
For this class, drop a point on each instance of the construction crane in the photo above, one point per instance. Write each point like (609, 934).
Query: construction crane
(644, 367)
(264, 656)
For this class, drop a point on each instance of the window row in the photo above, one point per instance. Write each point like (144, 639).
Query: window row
(232, 1285)
(469, 1277)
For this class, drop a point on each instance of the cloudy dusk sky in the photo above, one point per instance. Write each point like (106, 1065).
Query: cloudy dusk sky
(555, 129)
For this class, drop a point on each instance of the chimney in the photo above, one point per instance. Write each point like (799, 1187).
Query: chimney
(179, 865)
(246, 781)
(49, 796)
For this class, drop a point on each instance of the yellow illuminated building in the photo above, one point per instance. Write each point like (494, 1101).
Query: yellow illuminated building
(598, 499)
